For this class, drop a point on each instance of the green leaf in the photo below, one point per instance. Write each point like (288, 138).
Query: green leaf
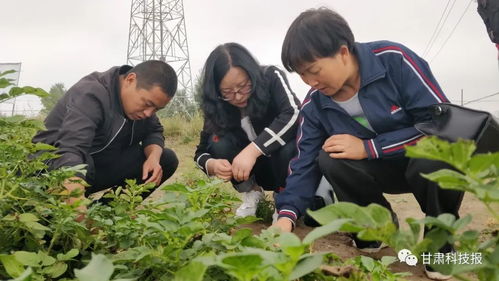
(26, 276)
(69, 255)
(362, 218)
(367, 262)
(288, 240)
(448, 179)
(6, 72)
(241, 260)
(175, 187)
(307, 265)
(35, 226)
(268, 256)
(456, 154)
(28, 258)
(379, 214)
(56, 269)
(462, 222)
(242, 266)
(43, 146)
(194, 271)
(100, 268)
(28, 217)
(318, 232)
(46, 259)
(241, 234)
(5, 82)
(13, 267)
(481, 162)
(387, 260)
(18, 91)
(444, 221)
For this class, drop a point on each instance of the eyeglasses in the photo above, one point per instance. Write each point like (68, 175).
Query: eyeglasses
(228, 94)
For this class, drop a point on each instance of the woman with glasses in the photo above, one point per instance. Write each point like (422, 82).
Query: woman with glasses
(250, 123)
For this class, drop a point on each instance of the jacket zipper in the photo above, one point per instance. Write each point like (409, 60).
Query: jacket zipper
(131, 139)
(123, 124)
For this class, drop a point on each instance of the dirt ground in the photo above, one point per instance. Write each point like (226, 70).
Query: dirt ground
(403, 204)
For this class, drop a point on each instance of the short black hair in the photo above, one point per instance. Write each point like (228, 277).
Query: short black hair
(315, 33)
(153, 73)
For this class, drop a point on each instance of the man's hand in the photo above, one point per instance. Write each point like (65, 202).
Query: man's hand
(75, 184)
(345, 147)
(151, 165)
(221, 168)
(284, 224)
(243, 163)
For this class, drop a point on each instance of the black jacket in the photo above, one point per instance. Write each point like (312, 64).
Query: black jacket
(88, 118)
(274, 130)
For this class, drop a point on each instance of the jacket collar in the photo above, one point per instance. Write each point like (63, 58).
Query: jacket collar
(110, 79)
(370, 67)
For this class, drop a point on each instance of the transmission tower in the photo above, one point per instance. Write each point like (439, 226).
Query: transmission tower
(157, 32)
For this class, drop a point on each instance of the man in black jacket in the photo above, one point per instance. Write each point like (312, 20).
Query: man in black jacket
(107, 121)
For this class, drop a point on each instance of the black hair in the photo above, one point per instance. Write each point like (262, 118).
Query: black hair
(156, 73)
(221, 113)
(315, 33)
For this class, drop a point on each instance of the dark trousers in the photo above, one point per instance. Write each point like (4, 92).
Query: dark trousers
(112, 171)
(270, 172)
(364, 181)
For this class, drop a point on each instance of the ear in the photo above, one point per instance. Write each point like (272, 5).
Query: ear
(344, 53)
(130, 78)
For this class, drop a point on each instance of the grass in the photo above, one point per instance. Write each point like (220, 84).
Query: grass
(182, 129)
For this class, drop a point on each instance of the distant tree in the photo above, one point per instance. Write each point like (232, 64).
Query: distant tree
(184, 105)
(55, 93)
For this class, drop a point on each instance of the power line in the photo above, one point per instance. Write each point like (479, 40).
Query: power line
(452, 32)
(438, 28)
(479, 99)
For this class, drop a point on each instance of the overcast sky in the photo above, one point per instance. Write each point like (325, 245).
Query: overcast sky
(63, 40)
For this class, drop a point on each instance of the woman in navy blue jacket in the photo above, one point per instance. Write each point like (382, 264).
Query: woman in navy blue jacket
(357, 119)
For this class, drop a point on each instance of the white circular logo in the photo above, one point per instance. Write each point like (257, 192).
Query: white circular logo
(411, 260)
(403, 254)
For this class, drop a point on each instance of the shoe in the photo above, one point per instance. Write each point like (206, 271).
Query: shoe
(250, 203)
(369, 247)
(435, 275)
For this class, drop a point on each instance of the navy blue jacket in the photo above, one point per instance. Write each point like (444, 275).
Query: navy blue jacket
(396, 87)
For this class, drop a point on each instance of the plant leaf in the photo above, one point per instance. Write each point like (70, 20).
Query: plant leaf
(307, 265)
(100, 268)
(324, 230)
(194, 271)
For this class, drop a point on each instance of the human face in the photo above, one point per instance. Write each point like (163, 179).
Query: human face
(235, 87)
(328, 74)
(140, 103)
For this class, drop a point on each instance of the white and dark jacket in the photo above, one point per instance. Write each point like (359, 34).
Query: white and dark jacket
(88, 118)
(274, 130)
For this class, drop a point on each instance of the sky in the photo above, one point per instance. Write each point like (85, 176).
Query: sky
(60, 41)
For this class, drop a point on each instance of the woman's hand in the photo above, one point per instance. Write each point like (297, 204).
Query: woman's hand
(221, 168)
(345, 147)
(284, 224)
(243, 163)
